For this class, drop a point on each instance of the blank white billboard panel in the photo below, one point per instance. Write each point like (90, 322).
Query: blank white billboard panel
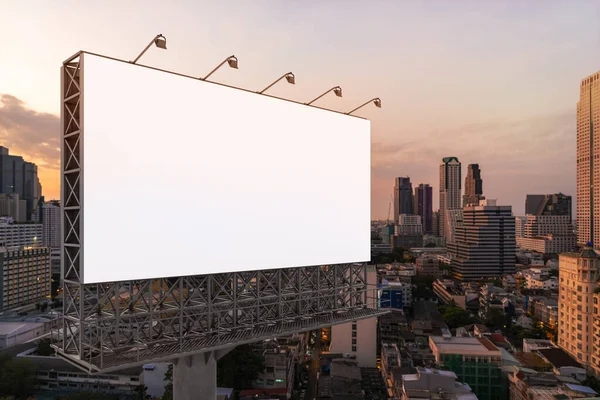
(184, 177)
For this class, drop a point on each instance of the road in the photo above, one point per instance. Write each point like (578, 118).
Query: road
(311, 391)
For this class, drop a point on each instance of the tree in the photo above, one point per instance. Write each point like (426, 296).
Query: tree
(239, 367)
(456, 316)
(88, 396)
(592, 382)
(17, 377)
(496, 317)
(168, 395)
(44, 348)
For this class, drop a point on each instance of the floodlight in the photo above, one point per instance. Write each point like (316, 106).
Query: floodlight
(288, 77)
(160, 41)
(337, 90)
(231, 60)
(376, 101)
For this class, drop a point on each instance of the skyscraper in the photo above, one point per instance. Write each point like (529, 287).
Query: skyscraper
(20, 177)
(423, 203)
(403, 197)
(473, 186)
(588, 169)
(548, 204)
(484, 244)
(450, 189)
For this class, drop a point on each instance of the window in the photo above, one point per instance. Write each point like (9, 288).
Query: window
(353, 348)
(354, 341)
(354, 334)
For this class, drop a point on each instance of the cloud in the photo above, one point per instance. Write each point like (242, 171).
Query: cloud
(34, 136)
(535, 155)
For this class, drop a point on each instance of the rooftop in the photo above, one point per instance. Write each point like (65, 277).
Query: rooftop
(8, 328)
(464, 345)
(559, 358)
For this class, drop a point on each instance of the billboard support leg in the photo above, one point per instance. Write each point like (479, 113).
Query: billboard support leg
(196, 375)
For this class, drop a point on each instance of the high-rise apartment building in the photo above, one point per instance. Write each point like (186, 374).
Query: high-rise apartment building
(48, 214)
(450, 189)
(16, 235)
(484, 244)
(473, 186)
(548, 204)
(25, 274)
(19, 176)
(423, 202)
(403, 197)
(579, 274)
(588, 166)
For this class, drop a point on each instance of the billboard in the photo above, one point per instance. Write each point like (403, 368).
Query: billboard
(186, 177)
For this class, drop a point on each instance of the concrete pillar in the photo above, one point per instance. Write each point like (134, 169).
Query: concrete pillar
(195, 376)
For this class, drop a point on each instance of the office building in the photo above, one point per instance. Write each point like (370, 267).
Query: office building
(579, 274)
(484, 244)
(20, 177)
(14, 235)
(12, 206)
(395, 294)
(25, 276)
(547, 234)
(423, 202)
(435, 224)
(588, 166)
(475, 361)
(548, 204)
(473, 186)
(450, 189)
(403, 197)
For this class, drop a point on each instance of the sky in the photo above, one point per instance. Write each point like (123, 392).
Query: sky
(494, 83)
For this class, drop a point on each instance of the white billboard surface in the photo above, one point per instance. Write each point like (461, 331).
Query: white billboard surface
(185, 177)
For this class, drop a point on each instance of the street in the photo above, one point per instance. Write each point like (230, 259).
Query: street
(311, 391)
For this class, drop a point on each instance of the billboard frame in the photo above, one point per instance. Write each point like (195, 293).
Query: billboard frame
(110, 326)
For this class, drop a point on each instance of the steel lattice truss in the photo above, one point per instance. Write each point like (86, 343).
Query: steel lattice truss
(116, 325)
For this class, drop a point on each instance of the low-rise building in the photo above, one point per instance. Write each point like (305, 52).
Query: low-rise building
(428, 265)
(434, 384)
(450, 291)
(396, 295)
(476, 362)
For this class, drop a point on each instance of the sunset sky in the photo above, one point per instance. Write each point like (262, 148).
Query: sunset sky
(494, 83)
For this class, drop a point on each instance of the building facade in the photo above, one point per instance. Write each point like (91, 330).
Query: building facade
(11, 205)
(450, 189)
(548, 234)
(25, 276)
(579, 274)
(484, 244)
(423, 202)
(475, 361)
(428, 265)
(403, 197)
(473, 186)
(48, 214)
(13, 234)
(588, 167)
(20, 177)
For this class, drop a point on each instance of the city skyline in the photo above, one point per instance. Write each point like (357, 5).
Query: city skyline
(501, 78)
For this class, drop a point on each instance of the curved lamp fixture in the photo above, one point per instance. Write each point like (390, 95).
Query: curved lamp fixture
(288, 77)
(337, 90)
(231, 60)
(376, 101)
(160, 41)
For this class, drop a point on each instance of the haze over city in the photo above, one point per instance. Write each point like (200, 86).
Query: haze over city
(494, 83)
